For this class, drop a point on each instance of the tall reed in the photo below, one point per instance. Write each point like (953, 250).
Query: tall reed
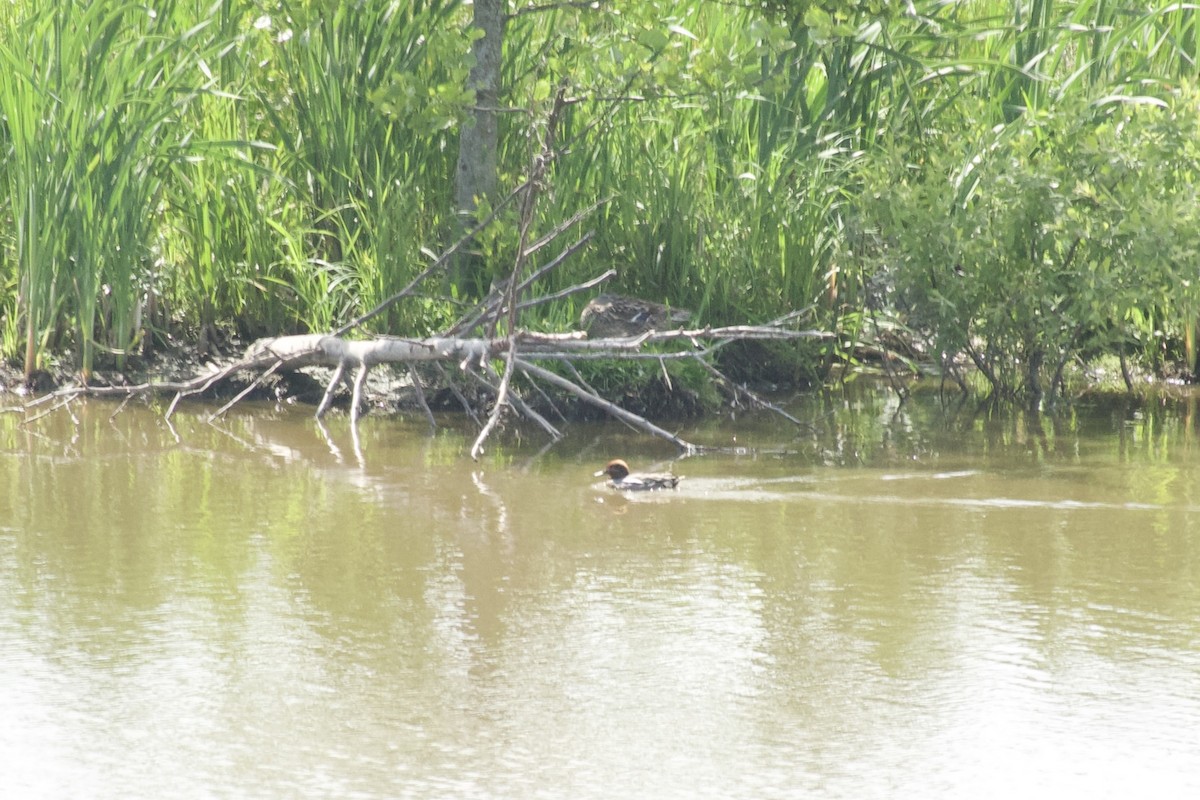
(281, 171)
(90, 93)
(363, 176)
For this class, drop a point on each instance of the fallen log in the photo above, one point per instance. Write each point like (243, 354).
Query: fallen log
(489, 336)
(472, 355)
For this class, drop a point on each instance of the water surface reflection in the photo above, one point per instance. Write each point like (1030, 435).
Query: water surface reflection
(901, 604)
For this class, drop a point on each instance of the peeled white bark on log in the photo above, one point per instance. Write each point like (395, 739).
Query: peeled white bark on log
(339, 353)
(520, 350)
(330, 351)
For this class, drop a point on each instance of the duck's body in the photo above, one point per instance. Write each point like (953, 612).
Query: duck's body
(613, 315)
(619, 477)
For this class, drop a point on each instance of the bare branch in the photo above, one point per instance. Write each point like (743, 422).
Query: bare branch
(609, 407)
(458, 395)
(546, 397)
(419, 391)
(500, 404)
(65, 402)
(356, 399)
(570, 290)
(494, 305)
(737, 391)
(559, 230)
(440, 262)
(220, 412)
(517, 403)
(330, 388)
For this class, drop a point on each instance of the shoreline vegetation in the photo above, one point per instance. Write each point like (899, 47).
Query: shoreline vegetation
(996, 195)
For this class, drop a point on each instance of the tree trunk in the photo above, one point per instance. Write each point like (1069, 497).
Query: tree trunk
(476, 174)
(1035, 357)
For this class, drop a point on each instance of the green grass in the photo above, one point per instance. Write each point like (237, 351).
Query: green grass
(173, 167)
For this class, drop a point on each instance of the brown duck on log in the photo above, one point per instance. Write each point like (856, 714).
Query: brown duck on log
(613, 316)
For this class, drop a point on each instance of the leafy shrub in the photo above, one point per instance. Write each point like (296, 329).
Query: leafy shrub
(1067, 231)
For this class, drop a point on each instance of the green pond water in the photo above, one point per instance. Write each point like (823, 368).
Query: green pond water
(900, 601)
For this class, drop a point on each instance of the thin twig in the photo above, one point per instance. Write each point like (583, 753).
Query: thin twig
(452, 385)
(330, 388)
(559, 230)
(499, 405)
(63, 403)
(515, 400)
(493, 417)
(419, 391)
(567, 252)
(220, 412)
(356, 400)
(203, 383)
(578, 378)
(120, 407)
(494, 306)
(438, 263)
(611, 408)
(570, 290)
(549, 400)
(755, 399)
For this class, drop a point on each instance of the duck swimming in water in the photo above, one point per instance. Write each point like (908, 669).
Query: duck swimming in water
(619, 477)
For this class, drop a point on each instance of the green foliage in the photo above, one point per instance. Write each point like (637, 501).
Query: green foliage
(430, 94)
(713, 204)
(1066, 232)
(182, 166)
(368, 181)
(89, 93)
